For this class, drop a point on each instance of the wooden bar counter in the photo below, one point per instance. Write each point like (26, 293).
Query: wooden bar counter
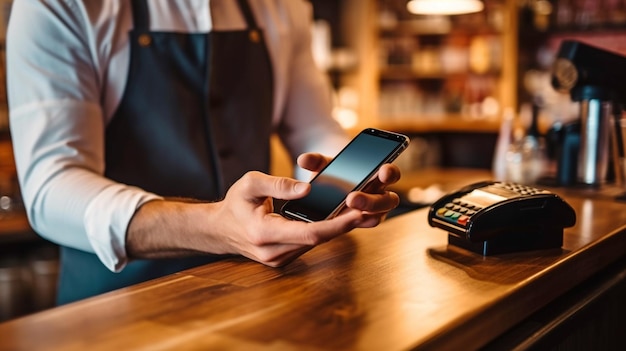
(395, 287)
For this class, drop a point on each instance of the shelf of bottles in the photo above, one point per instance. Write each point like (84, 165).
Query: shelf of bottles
(436, 68)
(581, 15)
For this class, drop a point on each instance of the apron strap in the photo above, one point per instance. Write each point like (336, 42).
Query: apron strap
(141, 15)
(247, 14)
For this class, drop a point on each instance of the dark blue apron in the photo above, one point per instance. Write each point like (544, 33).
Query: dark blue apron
(194, 117)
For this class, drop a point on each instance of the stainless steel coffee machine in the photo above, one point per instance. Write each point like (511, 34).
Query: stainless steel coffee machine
(596, 78)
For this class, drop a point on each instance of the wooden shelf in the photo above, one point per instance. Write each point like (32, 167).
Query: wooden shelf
(407, 73)
(416, 28)
(437, 124)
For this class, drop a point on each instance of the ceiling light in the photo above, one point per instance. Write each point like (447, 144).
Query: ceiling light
(444, 7)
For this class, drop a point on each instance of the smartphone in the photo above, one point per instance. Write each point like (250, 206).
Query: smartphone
(350, 170)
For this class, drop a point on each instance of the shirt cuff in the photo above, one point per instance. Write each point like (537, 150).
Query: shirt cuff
(107, 218)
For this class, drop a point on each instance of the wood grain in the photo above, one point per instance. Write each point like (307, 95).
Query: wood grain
(395, 287)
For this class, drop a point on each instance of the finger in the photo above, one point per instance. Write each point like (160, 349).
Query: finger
(373, 203)
(370, 221)
(389, 174)
(256, 185)
(303, 233)
(312, 161)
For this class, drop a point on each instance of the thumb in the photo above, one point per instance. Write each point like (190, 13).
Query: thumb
(263, 185)
(289, 189)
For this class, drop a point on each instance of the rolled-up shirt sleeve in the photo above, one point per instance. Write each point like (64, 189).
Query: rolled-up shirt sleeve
(57, 129)
(60, 166)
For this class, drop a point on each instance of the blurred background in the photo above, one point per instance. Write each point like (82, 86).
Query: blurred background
(470, 89)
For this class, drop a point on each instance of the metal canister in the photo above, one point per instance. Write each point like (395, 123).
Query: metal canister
(593, 162)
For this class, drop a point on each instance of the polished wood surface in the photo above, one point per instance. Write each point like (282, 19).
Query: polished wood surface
(395, 287)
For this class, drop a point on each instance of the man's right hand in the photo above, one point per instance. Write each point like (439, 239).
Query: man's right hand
(243, 223)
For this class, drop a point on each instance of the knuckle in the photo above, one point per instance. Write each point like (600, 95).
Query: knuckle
(394, 197)
(246, 176)
(264, 257)
(275, 263)
(375, 221)
(268, 258)
(256, 238)
(371, 221)
(281, 183)
(311, 238)
(250, 178)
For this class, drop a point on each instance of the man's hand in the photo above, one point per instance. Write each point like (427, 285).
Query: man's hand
(244, 223)
(255, 231)
(247, 223)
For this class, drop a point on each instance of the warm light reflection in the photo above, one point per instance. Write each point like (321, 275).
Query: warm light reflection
(586, 218)
(444, 7)
(346, 117)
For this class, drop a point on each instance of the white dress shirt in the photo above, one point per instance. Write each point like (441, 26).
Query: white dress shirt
(67, 69)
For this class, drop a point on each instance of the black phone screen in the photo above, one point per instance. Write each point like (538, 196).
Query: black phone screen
(348, 171)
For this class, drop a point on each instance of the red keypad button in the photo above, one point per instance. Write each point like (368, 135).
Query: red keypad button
(462, 220)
